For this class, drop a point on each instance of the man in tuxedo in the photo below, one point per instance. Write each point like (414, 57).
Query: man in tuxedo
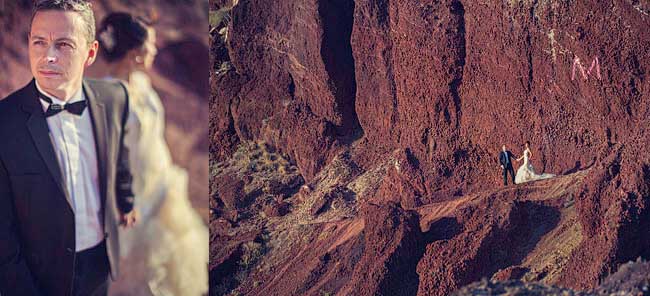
(505, 159)
(65, 183)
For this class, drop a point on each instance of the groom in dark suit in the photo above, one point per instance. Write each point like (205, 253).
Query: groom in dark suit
(65, 183)
(505, 159)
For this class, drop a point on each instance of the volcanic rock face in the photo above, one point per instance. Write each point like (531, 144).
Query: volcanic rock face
(398, 109)
(392, 240)
(633, 278)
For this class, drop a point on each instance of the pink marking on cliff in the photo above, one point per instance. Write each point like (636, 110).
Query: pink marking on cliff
(577, 63)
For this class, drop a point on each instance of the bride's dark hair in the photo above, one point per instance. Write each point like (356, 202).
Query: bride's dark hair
(528, 143)
(120, 32)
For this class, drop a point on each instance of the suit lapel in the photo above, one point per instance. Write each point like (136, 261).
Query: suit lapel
(98, 118)
(40, 132)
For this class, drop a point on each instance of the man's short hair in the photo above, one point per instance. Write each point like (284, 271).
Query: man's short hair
(83, 8)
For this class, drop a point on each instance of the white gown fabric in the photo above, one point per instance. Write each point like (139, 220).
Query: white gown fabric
(526, 172)
(166, 253)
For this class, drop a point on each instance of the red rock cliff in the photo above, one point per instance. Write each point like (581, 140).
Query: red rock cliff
(414, 100)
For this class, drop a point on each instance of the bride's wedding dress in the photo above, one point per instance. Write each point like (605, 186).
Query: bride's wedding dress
(166, 253)
(526, 172)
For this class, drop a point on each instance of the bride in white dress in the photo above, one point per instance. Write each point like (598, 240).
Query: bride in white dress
(526, 172)
(166, 253)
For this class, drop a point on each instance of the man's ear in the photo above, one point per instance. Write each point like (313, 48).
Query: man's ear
(93, 50)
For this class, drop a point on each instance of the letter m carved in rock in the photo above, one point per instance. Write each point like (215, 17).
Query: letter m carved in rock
(577, 64)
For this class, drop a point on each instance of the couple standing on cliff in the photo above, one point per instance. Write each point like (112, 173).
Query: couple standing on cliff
(525, 173)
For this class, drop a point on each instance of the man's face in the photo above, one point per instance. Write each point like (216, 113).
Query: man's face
(503, 148)
(59, 51)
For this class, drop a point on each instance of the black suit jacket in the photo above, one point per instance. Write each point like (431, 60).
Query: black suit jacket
(37, 225)
(503, 158)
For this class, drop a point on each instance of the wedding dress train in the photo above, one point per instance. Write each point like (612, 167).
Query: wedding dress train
(526, 172)
(166, 253)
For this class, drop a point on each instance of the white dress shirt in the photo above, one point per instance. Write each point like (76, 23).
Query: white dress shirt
(74, 146)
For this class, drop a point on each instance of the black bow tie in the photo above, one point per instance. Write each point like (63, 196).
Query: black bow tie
(75, 108)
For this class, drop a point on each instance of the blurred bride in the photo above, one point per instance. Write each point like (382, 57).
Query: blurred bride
(167, 251)
(526, 172)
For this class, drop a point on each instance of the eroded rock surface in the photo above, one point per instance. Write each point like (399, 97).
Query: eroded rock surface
(397, 110)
